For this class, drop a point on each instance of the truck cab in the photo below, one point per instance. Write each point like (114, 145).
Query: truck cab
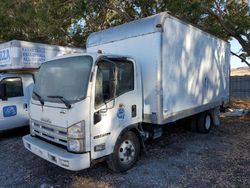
(87, 102)
(15, 93)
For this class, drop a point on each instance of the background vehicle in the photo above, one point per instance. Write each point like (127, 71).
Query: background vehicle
(134, 79)
(19, 62)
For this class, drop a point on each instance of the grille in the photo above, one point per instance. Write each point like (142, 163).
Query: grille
(51, 133)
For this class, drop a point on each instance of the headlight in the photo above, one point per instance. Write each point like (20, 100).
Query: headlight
(77, 130)
(75, 145)
(75, 137)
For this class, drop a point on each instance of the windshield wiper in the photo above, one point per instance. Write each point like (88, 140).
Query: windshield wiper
(39, 98)
(65, 101)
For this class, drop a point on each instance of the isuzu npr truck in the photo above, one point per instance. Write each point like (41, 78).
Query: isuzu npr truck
(134, 79)
(19, 61)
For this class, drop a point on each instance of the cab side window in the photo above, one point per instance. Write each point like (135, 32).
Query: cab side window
(103, 88)
(13, 87)
(109, 74)
(125, 77)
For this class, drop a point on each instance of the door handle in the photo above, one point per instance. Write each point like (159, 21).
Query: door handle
(97, 117)
(25, 106)
(133, 111)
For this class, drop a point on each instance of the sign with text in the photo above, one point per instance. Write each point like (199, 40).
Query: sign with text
(5, 56)
(33, 55)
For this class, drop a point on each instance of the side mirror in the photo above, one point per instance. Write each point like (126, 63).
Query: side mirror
(113, 85)
(4, 98)
(97, 117)
(3, 95)
(112, 91)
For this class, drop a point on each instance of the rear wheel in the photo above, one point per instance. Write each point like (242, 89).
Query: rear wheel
(193, 123)
(126, 153)
(204, 123)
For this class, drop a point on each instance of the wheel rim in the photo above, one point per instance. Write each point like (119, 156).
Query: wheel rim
(207, 122)
(126, 152)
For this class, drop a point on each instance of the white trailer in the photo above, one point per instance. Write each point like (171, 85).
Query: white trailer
(19, 61)
(137, 77)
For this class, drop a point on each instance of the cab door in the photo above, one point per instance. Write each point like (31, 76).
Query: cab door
(116, 102)
(13, 103)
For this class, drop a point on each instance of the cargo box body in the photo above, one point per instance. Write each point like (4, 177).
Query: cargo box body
(184, 69)
(17, 54)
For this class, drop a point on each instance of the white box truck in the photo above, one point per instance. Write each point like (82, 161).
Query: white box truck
(19, 61)
(134, 79)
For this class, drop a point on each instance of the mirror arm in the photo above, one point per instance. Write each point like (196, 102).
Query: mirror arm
(104, 110)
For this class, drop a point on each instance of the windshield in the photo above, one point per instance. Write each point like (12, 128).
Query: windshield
(67, 78)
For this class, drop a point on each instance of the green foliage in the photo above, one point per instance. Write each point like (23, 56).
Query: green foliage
(226, 19)
(69, 22)
(38, 20)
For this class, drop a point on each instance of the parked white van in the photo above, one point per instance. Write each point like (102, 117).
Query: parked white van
(19, 62)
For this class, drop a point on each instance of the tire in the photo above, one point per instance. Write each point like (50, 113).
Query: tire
(193, 124)
(125, 154)
(204, 123)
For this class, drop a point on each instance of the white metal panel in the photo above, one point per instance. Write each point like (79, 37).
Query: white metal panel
(132, 29)
(57, 114)
(109, 128)
(56, 155)
(28, 84)
(21, 118)
(145, 50)
(18, 120)
(195, 67)
(184, 70)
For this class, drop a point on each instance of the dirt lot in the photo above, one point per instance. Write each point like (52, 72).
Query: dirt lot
(179, 159)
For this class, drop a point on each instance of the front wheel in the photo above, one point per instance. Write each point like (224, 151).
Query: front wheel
(125, 154)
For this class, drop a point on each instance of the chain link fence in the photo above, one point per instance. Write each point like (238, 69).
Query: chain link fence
(240, 87)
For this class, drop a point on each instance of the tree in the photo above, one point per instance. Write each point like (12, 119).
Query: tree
(222, 18)
(233, 18)
(39, 20)
(69, 22)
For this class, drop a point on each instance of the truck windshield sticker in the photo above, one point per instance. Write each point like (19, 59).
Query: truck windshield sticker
(120, 112)
(9, 111)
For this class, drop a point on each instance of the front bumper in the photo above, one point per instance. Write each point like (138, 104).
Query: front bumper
(56, 155)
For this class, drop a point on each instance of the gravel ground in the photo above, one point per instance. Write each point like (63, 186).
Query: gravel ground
(179, 159)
